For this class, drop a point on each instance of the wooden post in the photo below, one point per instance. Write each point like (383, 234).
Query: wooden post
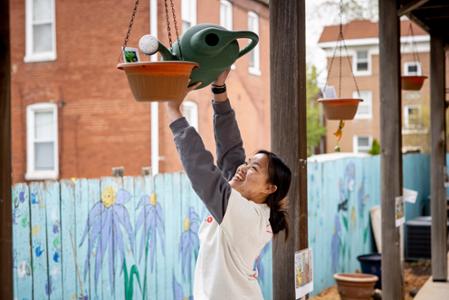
(288, 131)
(437, 157)
(5, 157)
(391, 157)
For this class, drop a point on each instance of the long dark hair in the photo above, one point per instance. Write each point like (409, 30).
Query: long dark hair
(280, 175)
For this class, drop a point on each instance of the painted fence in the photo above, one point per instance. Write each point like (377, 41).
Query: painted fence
(114, 238)
(137, 237)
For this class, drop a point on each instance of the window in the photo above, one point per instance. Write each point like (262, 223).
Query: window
(254, 55)
(188, 13)
(190, 111)
(40, 30)
(362, 144)
(412, 68)
(42, 141)
(365, 109)
(226, 14)
(361, 63)
(412, 117)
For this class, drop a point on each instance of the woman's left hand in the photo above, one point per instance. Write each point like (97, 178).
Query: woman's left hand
(174, 106)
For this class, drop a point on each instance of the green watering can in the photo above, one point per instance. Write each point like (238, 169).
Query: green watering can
(213, 47)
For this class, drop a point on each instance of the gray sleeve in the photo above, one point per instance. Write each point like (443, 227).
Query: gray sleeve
(207, 180)
(230, 152)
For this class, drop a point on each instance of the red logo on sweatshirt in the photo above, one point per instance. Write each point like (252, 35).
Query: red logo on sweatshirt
(209, 219)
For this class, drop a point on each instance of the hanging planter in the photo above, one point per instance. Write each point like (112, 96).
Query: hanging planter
(412, 82)
(340, 108)
(158, 81)
(416, 81)
(355, 286)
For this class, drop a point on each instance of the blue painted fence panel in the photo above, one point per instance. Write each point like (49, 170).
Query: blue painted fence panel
(137, 237)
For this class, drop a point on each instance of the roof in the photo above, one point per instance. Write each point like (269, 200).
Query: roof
(361, 29)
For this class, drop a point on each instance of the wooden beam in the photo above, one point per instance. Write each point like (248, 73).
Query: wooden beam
(288, 131)
(412, 5)
(438, 158)
(5, 157)
(391, 141)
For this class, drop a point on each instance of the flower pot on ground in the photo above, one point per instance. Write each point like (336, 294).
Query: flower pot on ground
(158, 81)
(412, 83)
(371, 264)
(355, 286)
(340, 108)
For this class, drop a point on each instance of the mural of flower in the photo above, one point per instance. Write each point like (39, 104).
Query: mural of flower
(178, 293)
(335, 244)
(190, 242)
(151, 221)
(108, 221)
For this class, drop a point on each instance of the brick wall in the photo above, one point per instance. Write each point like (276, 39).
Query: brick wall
(100, 125)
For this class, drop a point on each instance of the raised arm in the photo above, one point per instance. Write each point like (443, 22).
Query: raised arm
(230, 152)
(207, 180)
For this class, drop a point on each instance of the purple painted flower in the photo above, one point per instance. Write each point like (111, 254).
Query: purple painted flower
(151, 220)
(335, 244)
(107, 223)
(22, 196)
(362, 198)
(178, 293)
(190, 242)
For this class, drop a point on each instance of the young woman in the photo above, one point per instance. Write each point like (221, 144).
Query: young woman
(246, 201)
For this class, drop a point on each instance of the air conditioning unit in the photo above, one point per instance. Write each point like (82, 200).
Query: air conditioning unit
(418, 238)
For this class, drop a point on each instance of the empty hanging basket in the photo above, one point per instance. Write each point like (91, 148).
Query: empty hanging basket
(158, 81)
(412, 83)
(340, 108)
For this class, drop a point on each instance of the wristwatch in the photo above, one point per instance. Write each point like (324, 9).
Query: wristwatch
(218, 89)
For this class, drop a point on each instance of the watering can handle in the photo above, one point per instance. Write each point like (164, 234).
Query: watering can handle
(247, 35)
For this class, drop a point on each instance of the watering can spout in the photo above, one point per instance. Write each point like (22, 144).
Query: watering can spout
(150, 45)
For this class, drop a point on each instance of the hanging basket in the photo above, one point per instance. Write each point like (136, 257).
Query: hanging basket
(158, 81)
(340, 108)
(412, 83)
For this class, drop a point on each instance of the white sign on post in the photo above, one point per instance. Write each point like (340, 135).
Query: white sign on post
(409, 195)
(303, 272)
(399, 211)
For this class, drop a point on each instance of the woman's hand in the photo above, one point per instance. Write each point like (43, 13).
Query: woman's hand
(174, 106)
(221, 79)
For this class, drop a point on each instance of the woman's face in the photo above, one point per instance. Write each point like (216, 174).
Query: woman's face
(251, 179)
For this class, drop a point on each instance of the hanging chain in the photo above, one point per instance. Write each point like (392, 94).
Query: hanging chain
(167, 19)
(176, 27)
(131, 22)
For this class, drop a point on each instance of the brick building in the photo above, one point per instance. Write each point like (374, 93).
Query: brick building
(363, 50)
(73, 114)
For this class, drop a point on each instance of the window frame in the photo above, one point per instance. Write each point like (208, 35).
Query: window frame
(190, 104)
(406, 116)
(192, 14)
(355, 143)
(31, 172)
(366, 116)
(30, 55)
(410, 63)
(355, 61)
(227, 5)
(254, 70)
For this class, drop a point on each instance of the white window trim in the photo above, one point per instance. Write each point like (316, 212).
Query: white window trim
(406, 116)
(367, 116)
(29, 55)
(228, 6)
(256, 69)
(355, 143)
(192, 13)
(354, 63)
(31, 173)
(409, 63)
(194, 106)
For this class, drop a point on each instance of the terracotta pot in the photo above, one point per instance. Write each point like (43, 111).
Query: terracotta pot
(158, 81)
(412, 83)
(340, 108)
(355, 286)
